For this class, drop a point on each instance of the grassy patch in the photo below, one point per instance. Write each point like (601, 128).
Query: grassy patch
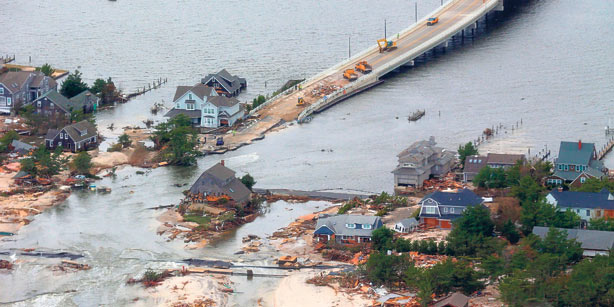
(200, 220)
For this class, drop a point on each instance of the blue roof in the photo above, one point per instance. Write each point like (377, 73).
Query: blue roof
(463, 198)
(570, 199)
(575, 153)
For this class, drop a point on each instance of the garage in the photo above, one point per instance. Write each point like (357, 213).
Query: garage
(445, 224)
(431, 221)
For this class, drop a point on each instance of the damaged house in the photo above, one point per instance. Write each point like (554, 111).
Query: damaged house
(217, 185)
(421, 161)
(346, 228)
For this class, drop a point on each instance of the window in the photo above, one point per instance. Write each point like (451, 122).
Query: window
(560, 167)
(51, 105)
(430, 210)
(445, 209)
(582, 179)
(451, 210)
(588, 212)
(190, 96)
(177, 105)
(566, 167)
(38, 104)
(8, 101)
(1, 90)
(366, 226)
(351, 226)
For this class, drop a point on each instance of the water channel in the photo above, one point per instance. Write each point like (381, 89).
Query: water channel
(547, 63)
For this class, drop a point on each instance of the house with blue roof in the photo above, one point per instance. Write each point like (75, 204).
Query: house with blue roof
(587, 205)
(346, 228)
(440, 208)
(576, 163)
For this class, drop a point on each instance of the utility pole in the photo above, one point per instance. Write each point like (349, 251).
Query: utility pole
(385, 29)
(349, 47)
(416, 12)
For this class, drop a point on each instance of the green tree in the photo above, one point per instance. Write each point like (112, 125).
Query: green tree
(509, 232)
(601, 224)
(6, 140)
(595, 185)
(541, 213)
(382, 269)
(421, 280)
(472, 233)
(518, 290)
(82, 163)
(381, 239)
(98, 86)
(46, 69)
(556, 243)
(182, 146)
(490, 178)
(465, 151)
(124, 140)
(248, 181)
(527, 190)
(43, 163)
(73, 85)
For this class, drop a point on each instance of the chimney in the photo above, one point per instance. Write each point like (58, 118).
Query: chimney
(560, 189)
(222, 162)
(579, 144)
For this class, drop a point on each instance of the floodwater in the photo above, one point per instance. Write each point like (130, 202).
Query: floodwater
(547, 63)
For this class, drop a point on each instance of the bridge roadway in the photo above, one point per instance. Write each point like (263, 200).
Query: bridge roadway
(455, 17)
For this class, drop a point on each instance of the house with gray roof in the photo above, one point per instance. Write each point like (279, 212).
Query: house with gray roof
(594, 242)
(346, 228)
(473, 164)
(421, 161)
(576, 163)
(76, 137)
(219, 182)
(204, 107)
(20, 147)
(85, 101)
(440, 208)
(224, 83)
(587, 205)
(53, 104)
(455, 299)
(406, 225)
(22, 87)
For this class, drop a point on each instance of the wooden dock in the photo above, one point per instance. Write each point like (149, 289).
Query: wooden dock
(7, 59)
(606, 149)
(156, 84)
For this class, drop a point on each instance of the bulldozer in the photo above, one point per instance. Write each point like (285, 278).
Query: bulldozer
(350, 74)
(301, 102)
(386, 45)
(363, 67)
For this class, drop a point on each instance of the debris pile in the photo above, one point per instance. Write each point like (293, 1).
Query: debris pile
(447, 182)
(322, 89)
(5, 264)
(197, 303)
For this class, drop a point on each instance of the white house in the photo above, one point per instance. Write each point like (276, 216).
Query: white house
(406, 225)
(205, 107)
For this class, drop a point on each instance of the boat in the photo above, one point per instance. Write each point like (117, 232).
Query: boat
(103, 189)
(416, 115)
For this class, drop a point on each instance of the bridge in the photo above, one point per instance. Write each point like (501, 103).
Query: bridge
(329, 87)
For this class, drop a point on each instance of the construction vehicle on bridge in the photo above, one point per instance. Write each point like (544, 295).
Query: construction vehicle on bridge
(350, 74)
(386, 45)
(301, 102)
(363, 67)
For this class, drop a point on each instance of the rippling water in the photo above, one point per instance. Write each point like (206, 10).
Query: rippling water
(548, 63)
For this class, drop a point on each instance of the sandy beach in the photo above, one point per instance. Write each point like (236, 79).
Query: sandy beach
(294, 291)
